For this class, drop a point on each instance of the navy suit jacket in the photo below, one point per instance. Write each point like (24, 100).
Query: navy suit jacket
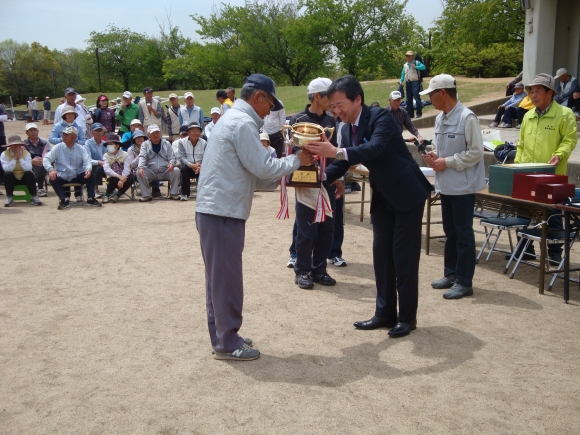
(381, 148)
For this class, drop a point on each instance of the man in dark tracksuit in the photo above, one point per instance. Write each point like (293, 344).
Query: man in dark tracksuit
(313, 241)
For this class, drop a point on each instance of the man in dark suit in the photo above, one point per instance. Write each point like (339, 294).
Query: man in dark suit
(371, 136)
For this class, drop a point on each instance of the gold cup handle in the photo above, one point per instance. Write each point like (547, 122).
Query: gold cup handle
(330, 129)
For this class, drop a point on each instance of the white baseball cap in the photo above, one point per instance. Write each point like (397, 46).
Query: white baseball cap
(127, 94)
(560, 73)
(79, 98)
(215, 110)
(71, 129)
(30, 125)
(188, 94)
(135, 121)
(441, 81)
(395, 95)
(153, 128)
(321, 84)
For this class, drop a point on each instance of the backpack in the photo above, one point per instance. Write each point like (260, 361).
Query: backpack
(421, 73)
(505, 153)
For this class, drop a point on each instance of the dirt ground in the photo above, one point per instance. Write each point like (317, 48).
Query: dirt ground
(103, 330)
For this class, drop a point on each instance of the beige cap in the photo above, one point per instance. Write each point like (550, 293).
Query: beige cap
(264, 136)
(13, 140)
(172, 96)
(410, 53)
(30, 125)
(441, 81)
(68, 109)
(153, 128)
(560, 73)
(543, 79)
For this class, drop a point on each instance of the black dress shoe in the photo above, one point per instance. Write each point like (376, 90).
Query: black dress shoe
(402, 328)
(374, 323)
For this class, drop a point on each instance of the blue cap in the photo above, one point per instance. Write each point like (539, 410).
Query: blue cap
(97, 126)
(265, 83)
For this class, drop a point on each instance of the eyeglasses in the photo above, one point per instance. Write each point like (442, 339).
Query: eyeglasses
(272, 105)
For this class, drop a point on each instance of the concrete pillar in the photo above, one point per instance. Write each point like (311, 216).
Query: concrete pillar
(540, 37)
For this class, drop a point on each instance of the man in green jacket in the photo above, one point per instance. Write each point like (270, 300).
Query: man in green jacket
(127, 112)
(548, 135)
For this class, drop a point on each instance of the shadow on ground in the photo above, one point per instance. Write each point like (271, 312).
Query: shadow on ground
(427, 350)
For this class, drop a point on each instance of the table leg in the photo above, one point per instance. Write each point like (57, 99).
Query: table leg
(543, 252)
(362, 203)
(428, 225)
(567, 256)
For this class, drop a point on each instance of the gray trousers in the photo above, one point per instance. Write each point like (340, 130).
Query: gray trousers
(173, 177)
(222, 244)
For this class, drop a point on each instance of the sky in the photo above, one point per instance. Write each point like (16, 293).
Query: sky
(39, 21)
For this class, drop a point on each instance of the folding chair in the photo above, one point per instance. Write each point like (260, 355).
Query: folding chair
(500, 224)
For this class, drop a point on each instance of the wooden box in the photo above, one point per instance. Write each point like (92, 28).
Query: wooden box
(525, 184)
(551, 193)
(501, 177)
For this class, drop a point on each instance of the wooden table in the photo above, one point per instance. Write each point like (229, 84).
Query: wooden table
(569, 212)
(520, 207)
(361, 176)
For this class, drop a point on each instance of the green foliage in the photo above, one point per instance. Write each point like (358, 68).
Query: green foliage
(26, 69)
(363, 33)
(266, 37)
(478, 38)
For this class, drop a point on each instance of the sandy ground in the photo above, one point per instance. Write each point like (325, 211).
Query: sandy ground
(103, 330)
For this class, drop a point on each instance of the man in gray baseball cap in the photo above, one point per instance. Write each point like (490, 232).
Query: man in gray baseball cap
(565, 87)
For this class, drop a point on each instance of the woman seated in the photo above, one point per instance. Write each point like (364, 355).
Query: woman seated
(509, 109)
(117, 167)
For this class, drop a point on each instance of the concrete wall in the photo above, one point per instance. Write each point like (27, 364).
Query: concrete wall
(540, 37)
(552, 37)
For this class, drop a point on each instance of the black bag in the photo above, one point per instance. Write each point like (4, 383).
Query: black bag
(505, 153)
(422, 73)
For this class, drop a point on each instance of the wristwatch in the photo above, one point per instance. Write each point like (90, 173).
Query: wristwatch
(339, 155)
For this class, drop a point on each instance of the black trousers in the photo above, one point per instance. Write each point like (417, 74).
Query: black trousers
(27, 180)
(187, 174)
(113, 184)
(57, 185)
(396, 254)
(313, 240)
(277, 142)
(98, 173)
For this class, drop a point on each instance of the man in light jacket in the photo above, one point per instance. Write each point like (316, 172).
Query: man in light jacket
(190, 152)
(157, 162)
(234, 165)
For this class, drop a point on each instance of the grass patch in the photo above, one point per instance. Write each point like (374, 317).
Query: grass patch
(294, 97)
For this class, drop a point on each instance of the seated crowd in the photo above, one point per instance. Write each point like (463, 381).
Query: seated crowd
(84, 150)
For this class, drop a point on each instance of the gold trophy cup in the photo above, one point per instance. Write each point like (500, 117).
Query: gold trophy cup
(300, 134)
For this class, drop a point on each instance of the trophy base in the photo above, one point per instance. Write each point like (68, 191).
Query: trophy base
(304, 176)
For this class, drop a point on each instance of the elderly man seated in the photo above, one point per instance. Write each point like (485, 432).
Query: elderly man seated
(37, 147)
(17, 166)
(157, 162)
(190, 154)
(72, 165)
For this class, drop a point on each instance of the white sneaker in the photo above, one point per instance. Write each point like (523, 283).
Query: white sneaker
(291, 262)
(184, 198)
(36, 201)
(9, 202)
(493, 124)
(42, 192)
(337, 261)
(243, 353)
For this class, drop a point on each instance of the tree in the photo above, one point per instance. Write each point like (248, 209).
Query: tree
(26, 69)
(267, 37)
(122, 54)
(468, 33)
(363, 33)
